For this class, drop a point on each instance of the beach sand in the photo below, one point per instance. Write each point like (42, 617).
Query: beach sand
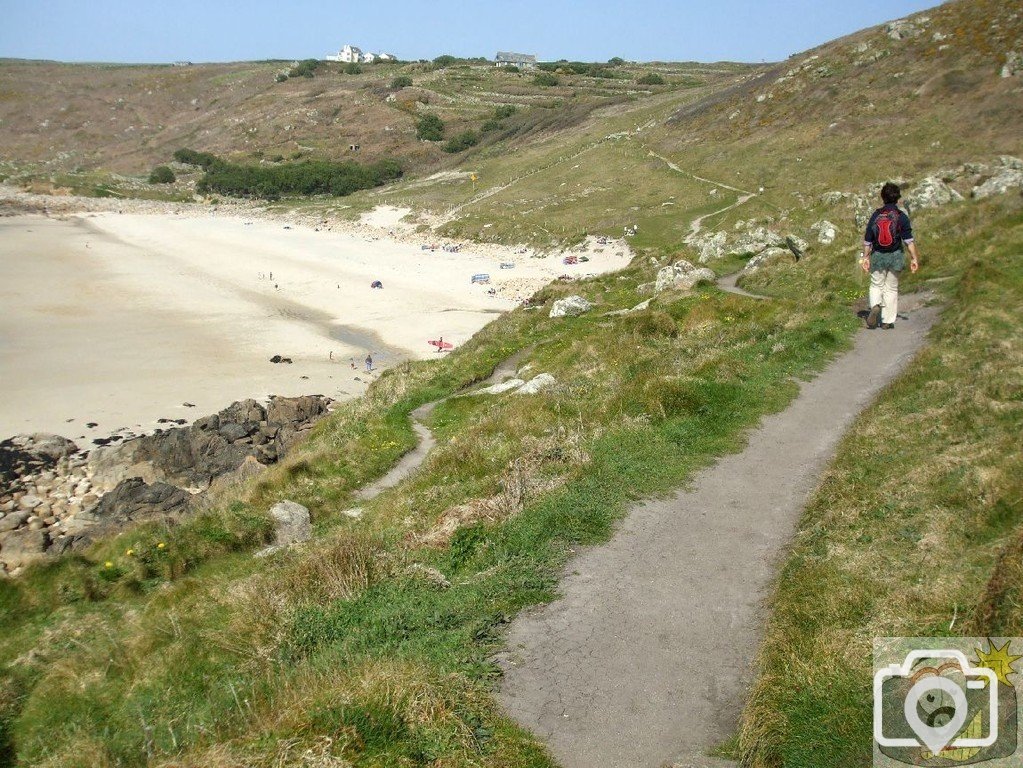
(121, 319)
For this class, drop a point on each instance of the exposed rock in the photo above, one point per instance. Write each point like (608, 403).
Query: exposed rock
(932, 192)
(709, 245)
(22, 454)
(538, 383)
(430, 574)
(292, 525)
(1007, 161)
(12, 520)
(295, 410)
(1013, 64)
(826, 232)
(134, 500)
(761, 258)
(1006, 180)
(29, 501)
(570, 306)
(19, 548)
(902, 29)
(681, 276)
(496, 389)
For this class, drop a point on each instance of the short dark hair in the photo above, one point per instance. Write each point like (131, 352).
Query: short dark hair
(890, 193)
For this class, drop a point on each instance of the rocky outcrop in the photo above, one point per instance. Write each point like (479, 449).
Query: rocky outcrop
(932, 192)
(1008, 179)
(538, 383)
(292, 525)
(570, 306)
(681, 276)
(49, 487)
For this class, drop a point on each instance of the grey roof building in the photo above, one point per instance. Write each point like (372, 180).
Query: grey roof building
(505, 59)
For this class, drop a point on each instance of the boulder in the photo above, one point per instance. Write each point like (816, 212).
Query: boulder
(504, 386)
(295, 410)
(902, 29)
(292, 523)
(1013, 64)
(708, 245)
(242, 411)
(1006, 180)
(22, 547)
(134, 500)
(13, 520)
(932, 192)
(23, 454)
(570, 306)
(1008, 161)
(538, 383)
(761, 258)
(681, 276)
(826, 232)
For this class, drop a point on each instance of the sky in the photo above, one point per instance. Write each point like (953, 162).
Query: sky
(593, 30)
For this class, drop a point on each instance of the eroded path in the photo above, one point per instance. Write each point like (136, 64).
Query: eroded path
(645, 658)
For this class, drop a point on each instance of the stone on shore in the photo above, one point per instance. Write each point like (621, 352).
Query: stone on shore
(570, 306)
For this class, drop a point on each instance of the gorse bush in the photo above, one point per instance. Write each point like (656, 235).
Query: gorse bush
(651, 78)
(401, 81)
(430, 128)
(304, 68)
(312, 177)
(191, 157)
(353, 69)
(462, 142)
(162, 175)
(545, 80)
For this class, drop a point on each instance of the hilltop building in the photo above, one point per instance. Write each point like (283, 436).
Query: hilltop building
(353, 54)
(521, 60)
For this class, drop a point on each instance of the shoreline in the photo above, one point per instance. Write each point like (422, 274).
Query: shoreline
(129, 314)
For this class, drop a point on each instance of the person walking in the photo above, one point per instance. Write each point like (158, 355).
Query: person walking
(887, 231)
(369, 363)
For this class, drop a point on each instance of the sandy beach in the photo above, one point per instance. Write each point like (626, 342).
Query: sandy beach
(123, 319)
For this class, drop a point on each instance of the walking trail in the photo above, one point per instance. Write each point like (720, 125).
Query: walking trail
(645, 658)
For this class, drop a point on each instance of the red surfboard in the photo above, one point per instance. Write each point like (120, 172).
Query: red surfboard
(440, 344)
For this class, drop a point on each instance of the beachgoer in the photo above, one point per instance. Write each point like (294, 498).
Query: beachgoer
(887, 230)
(352, 361)
(369, 363)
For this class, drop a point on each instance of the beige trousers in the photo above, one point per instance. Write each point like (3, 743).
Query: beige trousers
(884, 290)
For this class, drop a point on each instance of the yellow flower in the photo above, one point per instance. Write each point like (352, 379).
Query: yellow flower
(108, 564)
(161, 545)
(130, 552)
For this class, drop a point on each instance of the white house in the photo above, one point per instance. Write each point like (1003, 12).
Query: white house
(387, 57)
(349, 54)
(369, 58)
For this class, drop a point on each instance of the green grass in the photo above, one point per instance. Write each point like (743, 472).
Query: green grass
(916, 521)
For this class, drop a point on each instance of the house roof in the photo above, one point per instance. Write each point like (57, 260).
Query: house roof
(516, 58)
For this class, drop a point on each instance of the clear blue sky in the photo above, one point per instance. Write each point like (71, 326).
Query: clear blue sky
(589, 30)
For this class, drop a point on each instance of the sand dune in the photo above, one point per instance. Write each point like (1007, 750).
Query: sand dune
(121, 319)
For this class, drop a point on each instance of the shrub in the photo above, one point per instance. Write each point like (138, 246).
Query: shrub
(281, 77)
(402, 81)
(545, 80)
(311, 177)
(353, 69)
(503, 111)
(444, 61)
(304, 68)
(651, 78)
(490, 125)
(512, 68)
(162, 175)
(616, 61)
(602, 72)
(191, 157)
(462, 142)
(430, 128)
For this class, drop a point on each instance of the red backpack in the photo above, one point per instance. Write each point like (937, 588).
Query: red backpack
(886, 228)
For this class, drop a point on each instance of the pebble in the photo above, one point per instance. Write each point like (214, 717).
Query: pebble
(29, 501)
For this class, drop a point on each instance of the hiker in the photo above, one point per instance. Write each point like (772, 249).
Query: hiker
(883, 258)
(369, 363)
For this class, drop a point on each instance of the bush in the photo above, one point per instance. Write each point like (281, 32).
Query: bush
(402, 81)
(602, 72)
(505, 110)
(304, 68)
(512, 68)
(444, 61)
(430, 128)
(545, 80)
(312, 177)
(490, 126)
(353, 69)
(281, 77)
(462, 142)
(162, 175)
(651, 78)
(616, 61)
(191, 157)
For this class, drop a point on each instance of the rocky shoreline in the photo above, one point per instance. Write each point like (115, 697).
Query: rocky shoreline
(56, 497)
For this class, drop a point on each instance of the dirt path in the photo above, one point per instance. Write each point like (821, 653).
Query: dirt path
(645, 658)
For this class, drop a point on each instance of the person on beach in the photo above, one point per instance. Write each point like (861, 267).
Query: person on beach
(887, 230)
(352, 361)
(369, 363)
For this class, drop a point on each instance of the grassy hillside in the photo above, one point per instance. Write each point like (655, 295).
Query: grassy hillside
(372, 645)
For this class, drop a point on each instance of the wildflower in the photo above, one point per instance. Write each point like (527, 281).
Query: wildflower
(130, 552)
(108, 564)
(161, 545)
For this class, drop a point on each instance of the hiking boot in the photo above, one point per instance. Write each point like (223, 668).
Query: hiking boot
(888, 326)
(874, 316)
